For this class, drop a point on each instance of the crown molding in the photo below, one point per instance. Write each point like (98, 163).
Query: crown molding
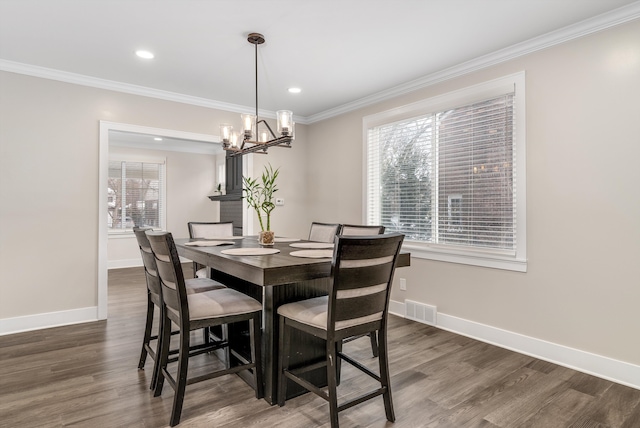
(589, 26)
(111, 85)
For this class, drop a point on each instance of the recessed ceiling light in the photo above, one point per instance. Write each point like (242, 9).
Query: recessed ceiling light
(158, 139)
(295, 90)
(145, 54)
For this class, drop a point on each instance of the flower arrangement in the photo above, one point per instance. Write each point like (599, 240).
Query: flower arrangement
(259, 196)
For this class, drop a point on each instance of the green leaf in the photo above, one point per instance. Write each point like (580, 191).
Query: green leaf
(259, 195)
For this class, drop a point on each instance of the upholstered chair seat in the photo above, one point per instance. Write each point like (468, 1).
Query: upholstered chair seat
(200, 285)
(219, 303)
(314, 312)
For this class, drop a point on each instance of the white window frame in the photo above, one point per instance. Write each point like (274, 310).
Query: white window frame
(162, 191)
(515, 260)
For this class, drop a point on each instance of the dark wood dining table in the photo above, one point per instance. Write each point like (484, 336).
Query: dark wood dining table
(274, 280)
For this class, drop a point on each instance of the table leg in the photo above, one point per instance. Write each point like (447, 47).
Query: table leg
(304, 348)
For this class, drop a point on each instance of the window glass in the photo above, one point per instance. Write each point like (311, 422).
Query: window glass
(135, 192)
(400, 161)
(444, 173)
(475, 174)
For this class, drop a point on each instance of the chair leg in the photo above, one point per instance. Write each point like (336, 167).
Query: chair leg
(283, 360)
(156, 363)
(147, 331)
(161, 360)
(338, 362)
(227, 349)
(195, 269)
(374, 343)
(255, 331)
(332, 383)
(385, 379)
(181, 377)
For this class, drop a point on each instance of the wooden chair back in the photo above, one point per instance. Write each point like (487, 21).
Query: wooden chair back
(174, 293)
(362, 271)
(148, 260)
(210, 230)
(361, 230)
(323, 232)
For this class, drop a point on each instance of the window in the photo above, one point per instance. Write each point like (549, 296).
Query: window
(449, 173)
(135, 195)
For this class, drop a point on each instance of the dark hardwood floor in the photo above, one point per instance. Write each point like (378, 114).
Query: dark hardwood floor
(86, 376)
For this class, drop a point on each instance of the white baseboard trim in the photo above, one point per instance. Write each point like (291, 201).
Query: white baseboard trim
(120, 264)
(47, 320)
(396, 308)
(597, 365)
(57, 319)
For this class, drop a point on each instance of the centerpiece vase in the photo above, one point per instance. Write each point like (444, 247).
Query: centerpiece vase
(266, 238)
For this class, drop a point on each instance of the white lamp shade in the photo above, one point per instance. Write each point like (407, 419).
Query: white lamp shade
(248, 125)
(225, 132)
(285, 122)
(234, 139)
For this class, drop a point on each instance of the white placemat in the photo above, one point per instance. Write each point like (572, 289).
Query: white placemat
(286, 239)
(250, 251)
(224, 238)
(208, 243)
(312, 245)
(313, 254)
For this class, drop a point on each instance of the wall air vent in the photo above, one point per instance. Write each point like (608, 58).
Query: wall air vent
(420, 312)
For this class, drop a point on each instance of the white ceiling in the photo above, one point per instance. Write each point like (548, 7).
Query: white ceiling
(340, 52)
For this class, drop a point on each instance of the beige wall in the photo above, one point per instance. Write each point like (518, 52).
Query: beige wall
(49, 153)
(582, 287)
(291, 219)
(190, 178)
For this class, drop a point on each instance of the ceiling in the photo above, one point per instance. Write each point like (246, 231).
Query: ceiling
(341, 53)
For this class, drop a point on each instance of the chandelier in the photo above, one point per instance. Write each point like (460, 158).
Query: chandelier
(256, 138)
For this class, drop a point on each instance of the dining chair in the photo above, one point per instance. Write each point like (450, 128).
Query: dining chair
(208, 230)
(154, 299)
(323, 232)
(358, 303)
(362, 230)
(190, 312)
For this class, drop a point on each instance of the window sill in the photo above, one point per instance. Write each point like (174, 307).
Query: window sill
(488, 259)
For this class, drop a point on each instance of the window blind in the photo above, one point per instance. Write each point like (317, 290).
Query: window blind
(446, 177)
(475, 174)
(400, 169)
(135, 195)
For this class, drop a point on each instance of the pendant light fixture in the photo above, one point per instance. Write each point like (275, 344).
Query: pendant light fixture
(256, 135)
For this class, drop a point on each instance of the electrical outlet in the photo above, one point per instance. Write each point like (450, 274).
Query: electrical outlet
(280, 201)
(403, 284)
